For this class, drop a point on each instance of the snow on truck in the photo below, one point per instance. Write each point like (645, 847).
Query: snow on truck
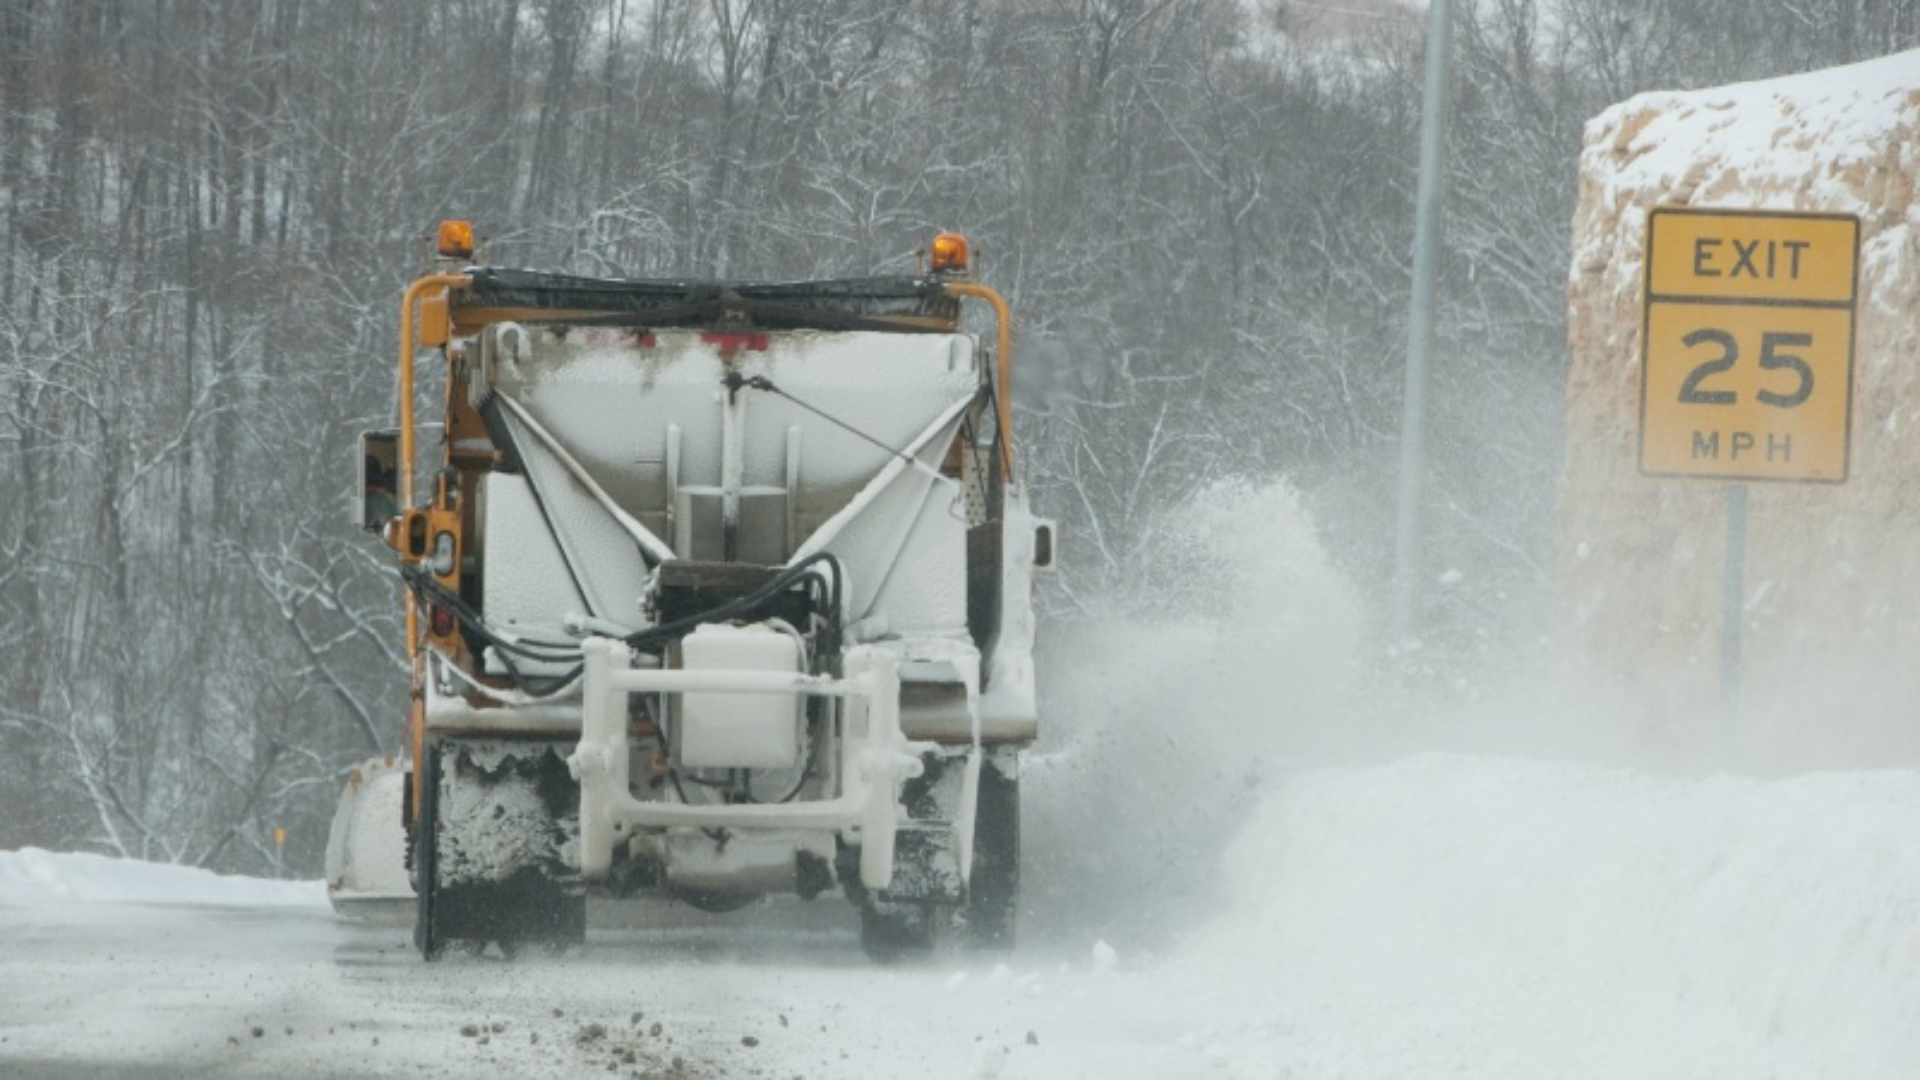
(715, 590)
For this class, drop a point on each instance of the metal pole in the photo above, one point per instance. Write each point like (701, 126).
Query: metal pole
(1732, 610)
(1426, 246)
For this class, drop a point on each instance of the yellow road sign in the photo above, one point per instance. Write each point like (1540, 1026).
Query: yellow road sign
(1747, 349)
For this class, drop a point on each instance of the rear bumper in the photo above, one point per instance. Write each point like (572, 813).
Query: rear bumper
(873, 758)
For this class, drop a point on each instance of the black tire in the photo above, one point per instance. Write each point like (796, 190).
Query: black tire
(991, 915)
(421, 848)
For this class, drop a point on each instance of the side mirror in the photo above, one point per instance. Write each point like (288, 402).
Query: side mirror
(377, 498)
(1043, 547)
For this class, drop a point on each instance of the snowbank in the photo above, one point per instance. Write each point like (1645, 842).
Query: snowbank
(1510, 918)
(32, 876)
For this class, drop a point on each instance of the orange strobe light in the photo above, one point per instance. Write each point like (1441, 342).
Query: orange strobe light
(456, 239)
(949, 253)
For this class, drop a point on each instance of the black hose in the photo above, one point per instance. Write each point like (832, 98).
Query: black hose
(432, 593)
(745, 605)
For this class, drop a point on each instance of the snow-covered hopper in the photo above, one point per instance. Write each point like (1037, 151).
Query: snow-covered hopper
(716, 590)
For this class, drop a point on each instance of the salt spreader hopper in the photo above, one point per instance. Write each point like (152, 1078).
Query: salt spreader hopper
(715, 590)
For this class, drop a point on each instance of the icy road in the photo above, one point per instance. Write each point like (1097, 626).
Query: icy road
(1436, 915)
(127, 970)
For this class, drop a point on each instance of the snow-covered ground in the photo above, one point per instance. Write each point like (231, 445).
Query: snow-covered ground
(1268, 891)
(1439, 915)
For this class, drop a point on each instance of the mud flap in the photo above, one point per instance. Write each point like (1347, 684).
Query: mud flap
(939, 885)
(928, 860)
(493, 848)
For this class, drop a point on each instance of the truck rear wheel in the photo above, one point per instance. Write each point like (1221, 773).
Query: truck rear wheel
(989, 919)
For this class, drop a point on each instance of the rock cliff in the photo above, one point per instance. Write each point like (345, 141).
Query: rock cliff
(1831, 619)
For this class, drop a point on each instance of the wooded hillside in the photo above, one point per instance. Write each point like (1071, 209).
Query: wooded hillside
(1200, 210)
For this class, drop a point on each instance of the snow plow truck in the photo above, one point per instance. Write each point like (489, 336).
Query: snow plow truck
(715, 590)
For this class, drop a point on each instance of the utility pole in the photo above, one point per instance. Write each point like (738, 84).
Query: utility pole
(1426, 246)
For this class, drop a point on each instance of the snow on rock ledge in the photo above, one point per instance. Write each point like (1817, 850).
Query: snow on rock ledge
(1832, 620)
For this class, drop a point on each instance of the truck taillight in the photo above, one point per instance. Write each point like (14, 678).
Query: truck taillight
(733, 342)
(441, 621)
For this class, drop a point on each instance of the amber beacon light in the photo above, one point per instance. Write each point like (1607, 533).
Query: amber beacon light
(949, 253)
(456, 239)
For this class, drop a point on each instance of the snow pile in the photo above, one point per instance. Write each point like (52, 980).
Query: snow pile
(1534, 919)
(31, 876)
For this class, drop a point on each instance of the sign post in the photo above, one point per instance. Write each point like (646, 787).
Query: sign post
(1733, 574)
(1746, 369)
